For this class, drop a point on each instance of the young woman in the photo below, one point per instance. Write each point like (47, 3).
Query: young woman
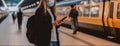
(40, 26)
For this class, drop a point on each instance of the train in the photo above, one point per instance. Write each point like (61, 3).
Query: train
(99, 15)
(3, 13)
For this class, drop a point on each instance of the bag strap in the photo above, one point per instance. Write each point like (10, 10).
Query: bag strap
(52, 16)
(54, 33)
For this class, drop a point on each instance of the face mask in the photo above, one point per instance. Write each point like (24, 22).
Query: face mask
(50, 3)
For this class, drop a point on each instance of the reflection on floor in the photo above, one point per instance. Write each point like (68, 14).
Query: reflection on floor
(10, 35)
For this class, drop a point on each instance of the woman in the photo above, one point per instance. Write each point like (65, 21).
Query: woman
(39, 26)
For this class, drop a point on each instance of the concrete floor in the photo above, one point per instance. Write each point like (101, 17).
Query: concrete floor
(10, 35)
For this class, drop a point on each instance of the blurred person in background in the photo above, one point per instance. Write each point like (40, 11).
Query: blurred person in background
(73, 18)
(19, 19)
(14, 17)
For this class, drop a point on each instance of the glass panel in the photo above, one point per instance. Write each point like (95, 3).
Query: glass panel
(62, 11)
(95, 1)
(118, 16)
(101, 0)
(86, 11)
(85, 1)
(80, 10)
(95, 11)
(111, 10)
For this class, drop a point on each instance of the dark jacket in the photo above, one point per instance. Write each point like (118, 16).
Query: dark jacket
(39, 28)
(13, 16)
(73, 13)
(19, 15)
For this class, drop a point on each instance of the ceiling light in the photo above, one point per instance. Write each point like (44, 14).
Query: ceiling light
(38, 2)
(19, 3)
(4, 3)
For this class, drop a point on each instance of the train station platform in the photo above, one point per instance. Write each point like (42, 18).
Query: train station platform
(85, 39)
(10, 35)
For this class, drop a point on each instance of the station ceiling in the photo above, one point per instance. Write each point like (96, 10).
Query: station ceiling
(15, 2)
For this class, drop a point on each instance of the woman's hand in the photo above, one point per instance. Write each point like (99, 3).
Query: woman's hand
(57, 22)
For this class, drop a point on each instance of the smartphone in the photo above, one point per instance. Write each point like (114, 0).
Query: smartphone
(63, 18)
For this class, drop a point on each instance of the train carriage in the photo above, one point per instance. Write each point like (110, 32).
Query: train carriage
(100, 15)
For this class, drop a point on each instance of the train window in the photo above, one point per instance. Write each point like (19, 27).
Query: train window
(111, 10)
(118, 13)
(101, 0)
(95, 1)
(107, 0)
(86, 11)
(80, 10)
(86, 1)
(95, 11)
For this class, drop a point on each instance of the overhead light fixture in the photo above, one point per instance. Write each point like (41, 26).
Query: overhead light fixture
(34, 4)
(12, 8)
(24, 7)
(38, 2)
(4, 3)
(29, 6)
(19, 3)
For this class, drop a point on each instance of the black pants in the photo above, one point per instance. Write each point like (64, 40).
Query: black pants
(19, 23)
(74, 25)
(13, 18)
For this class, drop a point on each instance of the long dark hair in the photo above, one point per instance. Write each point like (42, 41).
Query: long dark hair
(44, 3)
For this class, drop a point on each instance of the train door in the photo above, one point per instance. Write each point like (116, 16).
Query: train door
(109, 20)
(117, 18)
(113, 19)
